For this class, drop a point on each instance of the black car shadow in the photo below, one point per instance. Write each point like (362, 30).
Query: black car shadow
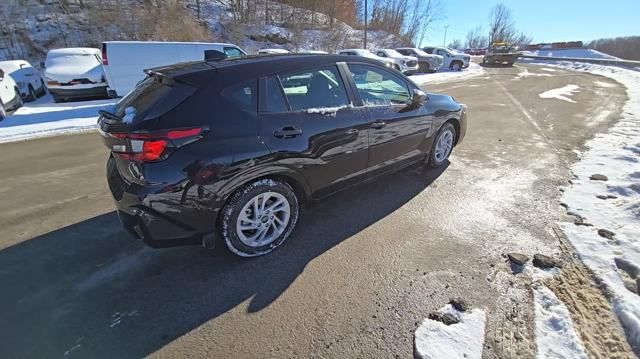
(88, 290)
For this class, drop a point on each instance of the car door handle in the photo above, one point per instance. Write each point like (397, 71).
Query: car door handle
(287, 132)
(378, 124)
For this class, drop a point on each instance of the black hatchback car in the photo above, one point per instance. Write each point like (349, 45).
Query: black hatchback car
(233, 147)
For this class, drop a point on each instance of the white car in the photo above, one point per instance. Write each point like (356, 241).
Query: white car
(408, 65)
(74, 73)
(125, 61)
(366, 53)
(452, 59)
(272, 51)
(9, 95)
(28, 79)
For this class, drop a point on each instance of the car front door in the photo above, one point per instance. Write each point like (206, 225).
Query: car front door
(397, 131)
(308, 122)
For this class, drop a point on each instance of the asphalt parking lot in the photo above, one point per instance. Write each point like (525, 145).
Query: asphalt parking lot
(361, 270)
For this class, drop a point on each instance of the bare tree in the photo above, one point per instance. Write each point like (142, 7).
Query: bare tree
(501, 25)
(455, 44)
(476, 38)
(624, 47)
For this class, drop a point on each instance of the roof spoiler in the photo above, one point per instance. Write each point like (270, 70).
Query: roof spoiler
(214, 55)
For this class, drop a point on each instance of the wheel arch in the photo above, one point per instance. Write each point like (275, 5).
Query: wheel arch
(285, 174)
(456, 124)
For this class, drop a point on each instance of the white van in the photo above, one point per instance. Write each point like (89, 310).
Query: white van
(125, 61)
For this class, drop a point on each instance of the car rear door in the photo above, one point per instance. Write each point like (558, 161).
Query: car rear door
(397, 132)
(307, 120)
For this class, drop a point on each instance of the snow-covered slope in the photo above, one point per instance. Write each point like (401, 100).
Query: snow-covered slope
(36, 26)
(575, 53)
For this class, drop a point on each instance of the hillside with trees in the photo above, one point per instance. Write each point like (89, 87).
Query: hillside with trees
(32, 27)
(627, 48)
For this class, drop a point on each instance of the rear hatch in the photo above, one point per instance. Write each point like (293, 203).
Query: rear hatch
(135, 132)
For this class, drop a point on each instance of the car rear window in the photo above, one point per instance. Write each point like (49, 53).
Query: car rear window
(242, 95)
(152, 97)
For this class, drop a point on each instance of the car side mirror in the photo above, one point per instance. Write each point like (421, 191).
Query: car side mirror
(418, 98)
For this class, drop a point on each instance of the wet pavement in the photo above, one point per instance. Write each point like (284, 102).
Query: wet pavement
(360, 272)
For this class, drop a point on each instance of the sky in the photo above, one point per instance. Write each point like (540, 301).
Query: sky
(543, 20)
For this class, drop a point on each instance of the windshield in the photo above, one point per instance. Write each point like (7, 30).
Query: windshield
(73, 60)
(420, 52)
(393, 53)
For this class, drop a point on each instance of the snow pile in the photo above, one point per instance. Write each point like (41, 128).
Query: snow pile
(575, 53)
(43, 118)
(525, 73)
(445, 75)
(465, 339)
(561, 93)
(555, 336)
(616, 154)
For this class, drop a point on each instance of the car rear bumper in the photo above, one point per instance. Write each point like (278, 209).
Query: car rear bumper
(159, 215)
(71, 92)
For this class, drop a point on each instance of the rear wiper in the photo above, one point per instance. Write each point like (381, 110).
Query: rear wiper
(110, 116)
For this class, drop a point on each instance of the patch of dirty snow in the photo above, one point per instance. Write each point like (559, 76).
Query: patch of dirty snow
(555, 335)
(44, 118)
(548, 69)
(444, 75)
(611, 205)
(604, 84)
(525, 73)
(561, 93)
(436, 340)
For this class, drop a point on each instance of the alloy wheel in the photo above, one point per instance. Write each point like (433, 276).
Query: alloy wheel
(444, 145)
(263, 219)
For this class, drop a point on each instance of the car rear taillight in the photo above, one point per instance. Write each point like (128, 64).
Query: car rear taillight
(105, 60)
(153, 146)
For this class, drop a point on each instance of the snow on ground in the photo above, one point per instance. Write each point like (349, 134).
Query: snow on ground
(43, 118)
(436, 340)
(561, 93)
(615, 154)
(555, 336)
(444, 75)
(525, 73)
(577, 53)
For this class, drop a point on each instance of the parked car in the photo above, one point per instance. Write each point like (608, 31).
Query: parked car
(285, 131)
(10, 98)
(312, 52)
(125, 61)
(408, 65)
(29, 81)
(452, 59)
(367, 54)
(75, 73)
(272, 51)
(426, 62)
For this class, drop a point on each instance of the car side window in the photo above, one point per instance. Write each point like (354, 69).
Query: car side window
(274, 97)
(314, 89)
(243, 95)
(232, 52)
(378, 87)
(442, 52)
(381, 54)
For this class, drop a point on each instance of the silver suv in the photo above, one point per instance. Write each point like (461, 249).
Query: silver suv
(426, 62)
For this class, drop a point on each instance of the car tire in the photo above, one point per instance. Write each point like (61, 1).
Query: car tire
(427, 68)
(57, 99)
(396, 66)
(442, 145)
(32, 94)
(19, 97)
(3, 112)
(456, 66)
(259, 217)
(43, 89)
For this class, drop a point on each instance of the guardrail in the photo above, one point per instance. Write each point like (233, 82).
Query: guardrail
(617, 62)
